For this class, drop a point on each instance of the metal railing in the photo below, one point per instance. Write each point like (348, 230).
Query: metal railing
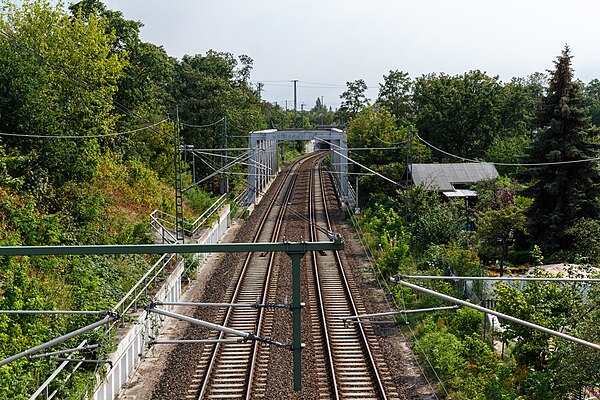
(240, 197)
(45, 387)
(152, 277)
(129, 302)
(164, 224)
(195, 226)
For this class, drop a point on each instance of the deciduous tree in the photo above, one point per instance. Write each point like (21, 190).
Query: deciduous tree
(395, 94)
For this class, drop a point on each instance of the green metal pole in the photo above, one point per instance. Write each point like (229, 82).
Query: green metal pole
(297, 319)
(287, 247)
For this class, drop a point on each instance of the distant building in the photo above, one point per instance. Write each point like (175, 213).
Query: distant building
(453, 180)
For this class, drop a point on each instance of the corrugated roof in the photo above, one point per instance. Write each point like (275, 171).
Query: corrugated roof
(443, 177)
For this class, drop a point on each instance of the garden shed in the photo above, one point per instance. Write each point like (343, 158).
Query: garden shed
(453, 180)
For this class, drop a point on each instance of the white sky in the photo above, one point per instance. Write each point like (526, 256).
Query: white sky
(330, 42)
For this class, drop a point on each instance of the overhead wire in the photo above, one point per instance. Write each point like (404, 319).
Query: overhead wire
(508, 164)
(82, 136)
(390, 143)
(384, 286)
(78, 82)
(332, 85)
(421, 347)
(202, 126)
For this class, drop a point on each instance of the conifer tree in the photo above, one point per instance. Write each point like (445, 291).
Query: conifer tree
(563, 192)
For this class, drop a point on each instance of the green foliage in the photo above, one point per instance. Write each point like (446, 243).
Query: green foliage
(586, 239)
(592, 96)
(395, 96)
(391, 239)
(89, 275)
(452, 259)
(468, 367)
(199, 199)
(57, 76)
(375, 127)
(562, 193)
(435, 222)
(497, 230)
(353, 100)
(291, 151)
(465, 321)
(551, 368)
(466, 114)
(320, 115)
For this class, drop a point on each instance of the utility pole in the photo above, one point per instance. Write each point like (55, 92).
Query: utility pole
(302, 114)
(179, 222)
(408, 178)
(224, 177)
(295, 108)
(259, 89)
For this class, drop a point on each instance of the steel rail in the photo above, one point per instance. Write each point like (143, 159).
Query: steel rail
(247, 391)
(371, 365)
(261, 316)
(319, 292)
(228, 315)
(379, 386)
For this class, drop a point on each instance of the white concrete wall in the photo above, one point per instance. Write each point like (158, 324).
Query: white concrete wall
(133, 345)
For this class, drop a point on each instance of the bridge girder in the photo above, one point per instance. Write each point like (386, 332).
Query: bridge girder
(263, 165)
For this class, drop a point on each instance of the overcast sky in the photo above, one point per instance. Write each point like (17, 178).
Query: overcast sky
(325, 43)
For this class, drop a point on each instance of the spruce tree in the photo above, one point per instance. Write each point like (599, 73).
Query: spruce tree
(562, 192)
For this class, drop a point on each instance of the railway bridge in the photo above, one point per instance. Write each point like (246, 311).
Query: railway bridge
(263, 165)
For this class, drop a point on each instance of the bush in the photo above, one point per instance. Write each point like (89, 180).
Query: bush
(199, 199)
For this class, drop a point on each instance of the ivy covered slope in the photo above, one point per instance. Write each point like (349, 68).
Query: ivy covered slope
(60, 76)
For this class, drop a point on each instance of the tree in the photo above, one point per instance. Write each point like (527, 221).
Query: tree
(395, 94)
(375, 127)
(592, 93)
(466, 115)
(208, 88)
(353, 100)
(57, 77)
(497, 229)
(435, 221)
(142, 94)
(562, 193)
(320, 114)
(501, 218)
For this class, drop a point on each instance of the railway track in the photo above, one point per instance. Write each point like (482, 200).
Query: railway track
(227, 370)
(350, 356)
(347, 359)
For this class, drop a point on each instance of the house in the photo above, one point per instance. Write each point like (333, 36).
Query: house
(453, 180)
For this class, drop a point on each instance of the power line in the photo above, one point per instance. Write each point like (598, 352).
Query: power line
(369, 169)
(418, 343)
(508, 164)
(203, 126)
(81, 136)
(332, 85)
(78, 82)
